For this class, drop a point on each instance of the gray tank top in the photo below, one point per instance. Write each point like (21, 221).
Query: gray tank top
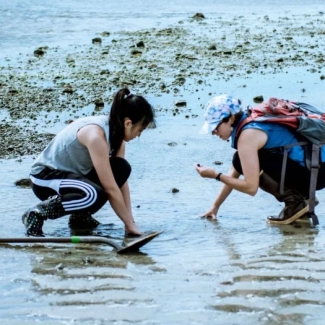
(65, 152)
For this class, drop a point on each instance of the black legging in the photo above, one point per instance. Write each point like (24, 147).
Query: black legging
(296, 177)
(79, 193)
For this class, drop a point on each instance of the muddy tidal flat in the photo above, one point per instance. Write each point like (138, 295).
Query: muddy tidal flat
(236, 270)
(55, 84)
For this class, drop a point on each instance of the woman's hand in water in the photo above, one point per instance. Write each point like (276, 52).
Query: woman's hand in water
(210, 214)
(206, 172)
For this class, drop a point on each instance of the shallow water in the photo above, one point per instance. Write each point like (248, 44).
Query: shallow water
(236, 270)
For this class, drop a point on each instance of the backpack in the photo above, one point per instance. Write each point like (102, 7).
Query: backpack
(309, 124)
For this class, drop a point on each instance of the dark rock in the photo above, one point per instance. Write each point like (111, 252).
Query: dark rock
(128, 82)
(96, 40)
(99, 103)
(23, 182)
(70, 60)
(104, 72)
(180, 103)
(258, 99)
(136, 52)
(105, 34)
(40, 51)
(12, 91)
(179, 81)
(198, 15)
(140, 44)
(68, 89)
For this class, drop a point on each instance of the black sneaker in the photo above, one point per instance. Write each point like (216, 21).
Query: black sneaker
(33, 223)
(82, 221)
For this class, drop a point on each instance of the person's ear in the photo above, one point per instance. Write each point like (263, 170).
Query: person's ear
(127, 123)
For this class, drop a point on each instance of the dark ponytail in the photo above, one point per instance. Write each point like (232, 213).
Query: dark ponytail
(134, 107)
(238, 116)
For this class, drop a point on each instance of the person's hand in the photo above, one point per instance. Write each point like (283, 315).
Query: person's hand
(206, 172)
(210, 214)
(132, 230)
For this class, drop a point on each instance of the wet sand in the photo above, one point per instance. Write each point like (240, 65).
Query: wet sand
(237, 270)
(198, 53)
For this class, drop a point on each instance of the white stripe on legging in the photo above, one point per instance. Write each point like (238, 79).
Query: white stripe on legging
(52, 183)
(56, 184)
(85, 202)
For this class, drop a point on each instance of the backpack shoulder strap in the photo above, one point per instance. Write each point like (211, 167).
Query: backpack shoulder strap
(240, 128)
(242, 123)
(313, 183)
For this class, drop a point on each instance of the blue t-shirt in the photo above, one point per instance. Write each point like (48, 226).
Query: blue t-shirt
(278, 135)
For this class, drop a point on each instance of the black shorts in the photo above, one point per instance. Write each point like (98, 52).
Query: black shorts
(296, 177)
(79, 193)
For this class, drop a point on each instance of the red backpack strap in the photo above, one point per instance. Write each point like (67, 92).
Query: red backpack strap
(240, 126)
(245, 121)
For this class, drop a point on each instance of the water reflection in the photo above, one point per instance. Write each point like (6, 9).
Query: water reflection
(280, 284)
(296, 237)
(84, 274)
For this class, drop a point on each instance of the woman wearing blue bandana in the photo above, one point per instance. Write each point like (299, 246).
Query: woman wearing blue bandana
(259, 160)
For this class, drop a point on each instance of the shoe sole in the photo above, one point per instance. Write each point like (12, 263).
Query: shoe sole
(290, 220)
(303, 219)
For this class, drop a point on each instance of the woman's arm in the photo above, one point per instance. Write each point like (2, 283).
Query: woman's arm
(226, 189)
(222, 196)
(125, 188)
(250, 141)
(93, 137)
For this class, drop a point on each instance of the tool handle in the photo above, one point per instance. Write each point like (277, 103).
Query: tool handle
(73, 239)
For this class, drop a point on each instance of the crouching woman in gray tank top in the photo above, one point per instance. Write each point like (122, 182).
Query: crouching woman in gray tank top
(83, 167)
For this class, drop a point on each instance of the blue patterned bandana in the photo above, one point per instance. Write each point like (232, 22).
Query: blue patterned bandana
(217, 109)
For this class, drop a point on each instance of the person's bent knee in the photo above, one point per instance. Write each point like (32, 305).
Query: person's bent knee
(120, 165)
(121, 170)
(101, 200)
